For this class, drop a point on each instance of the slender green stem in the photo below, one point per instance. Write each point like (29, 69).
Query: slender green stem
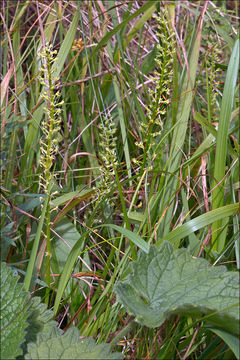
(30, 268)
(134, 253)
(49, 254)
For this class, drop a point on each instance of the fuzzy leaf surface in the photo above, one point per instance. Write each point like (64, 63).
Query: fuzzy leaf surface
(39, 321)
(68, 346)
(165, 282)
(14, 310)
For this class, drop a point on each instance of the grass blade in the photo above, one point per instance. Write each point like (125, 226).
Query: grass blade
(231, 340)
(72, 257)
(222, 137)
(136, 239)
(29, 272)
(200, 222)
(184, 108)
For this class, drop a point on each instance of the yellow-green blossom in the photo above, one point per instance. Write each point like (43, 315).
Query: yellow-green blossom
(51, 124)
(160, 94)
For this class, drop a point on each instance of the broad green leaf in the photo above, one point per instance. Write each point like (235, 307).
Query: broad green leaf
(14, 312)
(136, 216)
(149, 61)
(61, 247)
(165, 282)
(27, 325)
(68, 346)
(136, 239)
(63, 199)
(211, 129)
(11, 161)
(231, 340)
(31, 141)
(30, 268)
(40, 320)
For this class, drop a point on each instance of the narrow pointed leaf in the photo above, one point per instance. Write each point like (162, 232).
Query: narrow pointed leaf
(222, 137)
(136, 239)
(231, 340)
(110, 34)
(201, 221)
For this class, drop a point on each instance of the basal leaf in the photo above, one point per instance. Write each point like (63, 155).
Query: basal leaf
(27, 324)
(165, 282)
(40, 320)
(14, 312)
(68, 346)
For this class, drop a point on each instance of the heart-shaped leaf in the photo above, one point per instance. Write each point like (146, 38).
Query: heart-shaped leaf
(165, 282)
(54, 345)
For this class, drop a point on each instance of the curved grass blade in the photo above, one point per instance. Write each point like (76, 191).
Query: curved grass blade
(136, 239)
(231, 340)
(201, 221)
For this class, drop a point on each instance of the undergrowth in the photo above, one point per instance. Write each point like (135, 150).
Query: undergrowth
(119, 132)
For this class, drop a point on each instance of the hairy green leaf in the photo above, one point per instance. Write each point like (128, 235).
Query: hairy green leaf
(14, 312)
(27, 324)
(40, 320)
(165, 282)
(68, 346)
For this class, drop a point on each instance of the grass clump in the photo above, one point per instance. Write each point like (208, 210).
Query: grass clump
(119, 131)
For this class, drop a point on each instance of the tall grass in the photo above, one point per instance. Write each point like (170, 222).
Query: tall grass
(143, 147)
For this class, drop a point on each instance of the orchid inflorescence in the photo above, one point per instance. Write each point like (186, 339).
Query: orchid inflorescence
(51, 124)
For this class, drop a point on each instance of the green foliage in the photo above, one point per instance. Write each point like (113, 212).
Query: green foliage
(221, 146)
(146, 145)
(40, 321)
(27, 327)
(14, 313)
(165, 282)
(230, 339)
(68, 346)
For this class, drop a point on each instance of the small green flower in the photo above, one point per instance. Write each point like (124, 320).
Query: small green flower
(213, 58)
(51, 124)
(49, 141)
(108, 156)
(160, 95)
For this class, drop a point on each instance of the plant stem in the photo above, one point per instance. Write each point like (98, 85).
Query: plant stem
(29, 272)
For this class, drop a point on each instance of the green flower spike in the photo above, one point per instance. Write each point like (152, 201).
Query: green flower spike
(160, 95)
(49, 140)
